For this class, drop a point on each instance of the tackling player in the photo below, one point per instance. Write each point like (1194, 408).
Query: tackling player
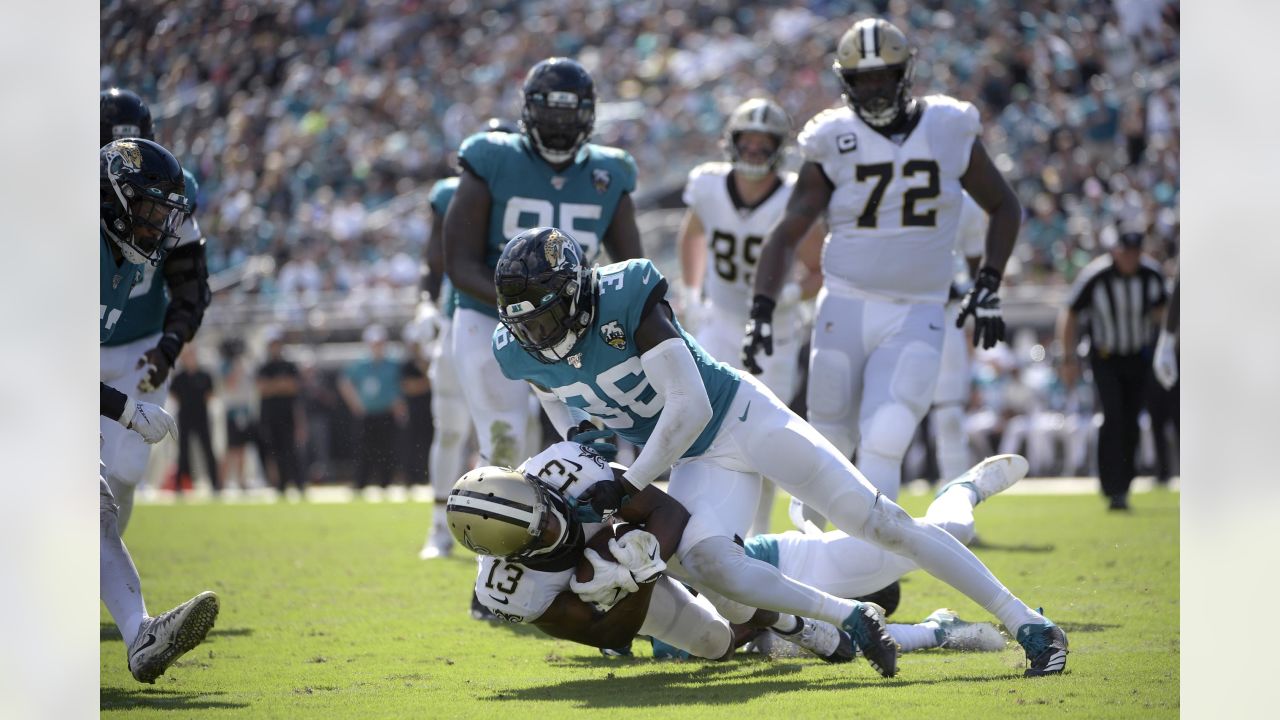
(142, 207)
(731, 205)
(161, 316)
(548, 174)
(888, 169)
(603, 344)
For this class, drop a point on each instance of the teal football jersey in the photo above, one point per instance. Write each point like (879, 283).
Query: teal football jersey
(528, 193)
(149, 300)
(114, 284)
(603, 374)
(441, 193)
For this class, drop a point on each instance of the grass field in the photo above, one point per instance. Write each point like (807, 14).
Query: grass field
(328, 613)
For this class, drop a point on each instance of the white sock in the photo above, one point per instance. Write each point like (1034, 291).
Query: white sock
(118, 581)
(788, 624)
(921, 636)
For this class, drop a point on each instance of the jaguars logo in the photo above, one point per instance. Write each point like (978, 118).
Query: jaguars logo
(612, 334)
(553, 250)
(601, 179)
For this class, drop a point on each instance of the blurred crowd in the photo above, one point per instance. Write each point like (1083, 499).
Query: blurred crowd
(316, 126)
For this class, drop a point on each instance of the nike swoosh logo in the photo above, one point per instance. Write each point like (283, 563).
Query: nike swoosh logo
(934, 327)
(498, 599)
(147, 642)
(645, 279)
(744, 413)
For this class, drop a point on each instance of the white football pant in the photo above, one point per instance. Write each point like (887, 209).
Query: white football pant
(950, 398)
(124, 452)
(873, 366)
(118, 582)
(499, 406)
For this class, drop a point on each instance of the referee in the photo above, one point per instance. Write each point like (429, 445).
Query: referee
(1117, 302)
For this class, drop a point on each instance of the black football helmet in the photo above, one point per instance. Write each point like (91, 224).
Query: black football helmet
(122, 114)
(546, 292)
(559, 108)
(143, 201)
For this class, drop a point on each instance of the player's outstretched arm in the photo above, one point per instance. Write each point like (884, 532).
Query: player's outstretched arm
(622, 239)
(465, 225)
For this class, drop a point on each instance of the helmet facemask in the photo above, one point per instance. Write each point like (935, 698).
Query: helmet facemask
(558, 122)
(762, 117)
(546, 309)
(141, 219)
(880, 95)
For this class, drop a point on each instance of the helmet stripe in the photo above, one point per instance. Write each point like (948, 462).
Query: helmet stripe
(492, 499)
(497, 511)
(868, 41)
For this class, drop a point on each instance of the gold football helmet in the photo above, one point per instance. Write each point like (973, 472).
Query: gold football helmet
(875, 64)
(503, 512)
(756, 115)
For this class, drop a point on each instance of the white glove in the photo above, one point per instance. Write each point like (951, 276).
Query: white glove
(690, 309)
(424, 328)
(1165, 363)
(148, 420)
(608, 586)
(637, 551)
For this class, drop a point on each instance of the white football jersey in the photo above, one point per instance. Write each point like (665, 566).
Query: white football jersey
(735, 232)
(895, 209)
(514, 592)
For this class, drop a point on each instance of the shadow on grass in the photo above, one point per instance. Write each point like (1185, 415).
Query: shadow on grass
(108, 631)
(1085, 627)
(156, 699)
(725, 683)
(981, 545)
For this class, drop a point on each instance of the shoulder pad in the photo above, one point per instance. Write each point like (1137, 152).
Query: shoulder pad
(818, 139)
(483, 152)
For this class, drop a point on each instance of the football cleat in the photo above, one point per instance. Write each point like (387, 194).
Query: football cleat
(162, 640)
(439, 545)
(665, 651)
(823, 639)
(871, 637)
(956, 634)
(1046, 648)
(624, 651)
(991, 476)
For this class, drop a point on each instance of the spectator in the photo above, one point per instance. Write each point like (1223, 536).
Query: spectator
(371, 390)
(1120, 297)
(283, 427)
(415, 384)
(238, 402)
(192, 386)
(319, 403)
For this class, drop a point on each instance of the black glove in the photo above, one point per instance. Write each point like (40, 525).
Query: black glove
(603, 442)
(759, 333)
(599, 502)
(158, 361)
(984, 305)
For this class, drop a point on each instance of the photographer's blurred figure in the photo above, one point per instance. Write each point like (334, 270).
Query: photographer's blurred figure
(371, 389)
(192, 387)
(1119, 300)
(283, 427)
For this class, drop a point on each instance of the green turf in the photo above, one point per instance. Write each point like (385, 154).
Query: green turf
(327, 613)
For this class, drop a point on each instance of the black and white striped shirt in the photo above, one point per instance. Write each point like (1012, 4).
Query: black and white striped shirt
(1116, 310)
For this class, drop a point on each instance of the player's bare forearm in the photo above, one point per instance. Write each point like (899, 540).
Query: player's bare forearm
(808, 201)
(433, 278)
(689, 246)
(622, 239)
(465, 225)
(993, 194)
(569, 618)
(662, 515)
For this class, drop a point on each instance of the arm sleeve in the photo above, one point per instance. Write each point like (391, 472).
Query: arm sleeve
(186, 274)
(685, 413)
(111, 401)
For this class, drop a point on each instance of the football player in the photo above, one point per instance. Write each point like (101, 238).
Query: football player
(951, 395)
(888, 169)
(525, 526)
(142, 208)
(603, 344)
(165, 310)
(548, 174)
(731, 205)
(453, 428)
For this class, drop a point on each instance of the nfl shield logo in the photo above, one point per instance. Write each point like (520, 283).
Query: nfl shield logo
(557, 182)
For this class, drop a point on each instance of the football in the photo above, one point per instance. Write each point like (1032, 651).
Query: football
(600, 543)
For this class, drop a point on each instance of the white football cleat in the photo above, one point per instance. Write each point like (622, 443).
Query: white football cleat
(439, 543)
(163, 639)
(991, 476)
(958, 634)
(822, 639)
